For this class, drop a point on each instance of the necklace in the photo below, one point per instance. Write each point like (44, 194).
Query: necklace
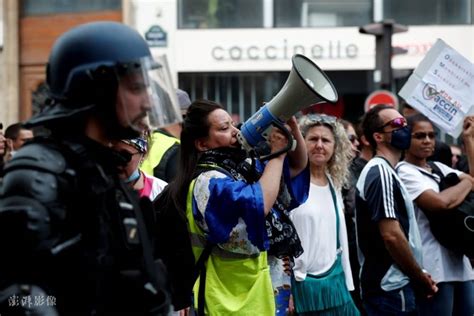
(319, 181)
(427, 167)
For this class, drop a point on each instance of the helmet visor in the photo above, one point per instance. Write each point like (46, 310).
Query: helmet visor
(146, 97)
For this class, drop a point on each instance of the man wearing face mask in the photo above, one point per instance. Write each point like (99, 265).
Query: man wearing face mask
(146, 186)
(388, 239)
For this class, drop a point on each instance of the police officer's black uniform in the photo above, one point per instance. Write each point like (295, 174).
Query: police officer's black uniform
(73, 237)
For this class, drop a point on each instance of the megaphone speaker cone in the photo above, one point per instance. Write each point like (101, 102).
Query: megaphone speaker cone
(306, 85)
(315, 78)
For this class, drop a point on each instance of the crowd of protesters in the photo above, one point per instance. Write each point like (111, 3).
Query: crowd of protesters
(336, 226)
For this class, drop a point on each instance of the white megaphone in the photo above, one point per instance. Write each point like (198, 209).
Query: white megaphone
(306, 85)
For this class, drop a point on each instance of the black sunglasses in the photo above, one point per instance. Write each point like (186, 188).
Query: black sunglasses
(423, 135)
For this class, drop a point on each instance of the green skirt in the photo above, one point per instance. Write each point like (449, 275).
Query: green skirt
(324, 294)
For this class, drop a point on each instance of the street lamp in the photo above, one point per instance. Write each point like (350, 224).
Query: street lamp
(384, 51)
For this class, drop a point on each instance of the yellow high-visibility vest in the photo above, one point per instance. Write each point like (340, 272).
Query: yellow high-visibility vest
(160, 143)
(236, 284)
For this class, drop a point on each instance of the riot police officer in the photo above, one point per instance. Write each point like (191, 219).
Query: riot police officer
(73, 238)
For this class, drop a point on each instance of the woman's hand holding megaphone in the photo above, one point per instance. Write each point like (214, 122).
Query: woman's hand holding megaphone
(278, 141)
(292, 126)
(271, 177)
(298, 155)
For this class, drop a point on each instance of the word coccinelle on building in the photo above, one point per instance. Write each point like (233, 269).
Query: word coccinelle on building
(328, 50)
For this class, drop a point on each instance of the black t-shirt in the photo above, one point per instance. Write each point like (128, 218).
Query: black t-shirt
(356, 167)
(380, 198)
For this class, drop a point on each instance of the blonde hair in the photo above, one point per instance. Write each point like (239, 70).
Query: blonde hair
(338, 165)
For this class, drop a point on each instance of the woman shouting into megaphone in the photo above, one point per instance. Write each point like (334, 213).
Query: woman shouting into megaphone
(227, 196)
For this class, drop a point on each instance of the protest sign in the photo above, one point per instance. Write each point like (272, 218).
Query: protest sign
(442, 88)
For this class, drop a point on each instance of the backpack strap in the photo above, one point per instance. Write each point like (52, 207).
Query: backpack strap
(334, 200)
(436, 170)
(436, 174)
(199, 267)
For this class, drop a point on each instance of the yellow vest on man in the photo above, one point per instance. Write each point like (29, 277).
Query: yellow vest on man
(160, 143)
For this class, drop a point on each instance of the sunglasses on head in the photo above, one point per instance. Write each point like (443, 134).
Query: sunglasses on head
(321, 118)
(352, 138)
(396, 123)
(423, 135)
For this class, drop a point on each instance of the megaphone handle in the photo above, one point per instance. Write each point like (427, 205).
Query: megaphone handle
(290, 146)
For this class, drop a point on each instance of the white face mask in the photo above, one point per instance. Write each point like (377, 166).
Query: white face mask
(133, 177)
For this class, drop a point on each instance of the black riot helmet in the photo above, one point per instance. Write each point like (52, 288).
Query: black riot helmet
(86, 70)
(85, 51)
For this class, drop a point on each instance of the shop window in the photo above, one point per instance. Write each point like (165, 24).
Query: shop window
(322, 13)
(204, 14)
(48, 7)
(428, 12)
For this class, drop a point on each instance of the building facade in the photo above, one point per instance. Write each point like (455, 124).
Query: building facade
(238, 52)
(29, 29)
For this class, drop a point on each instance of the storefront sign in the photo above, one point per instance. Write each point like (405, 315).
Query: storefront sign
(335, 49)
(330, 50)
